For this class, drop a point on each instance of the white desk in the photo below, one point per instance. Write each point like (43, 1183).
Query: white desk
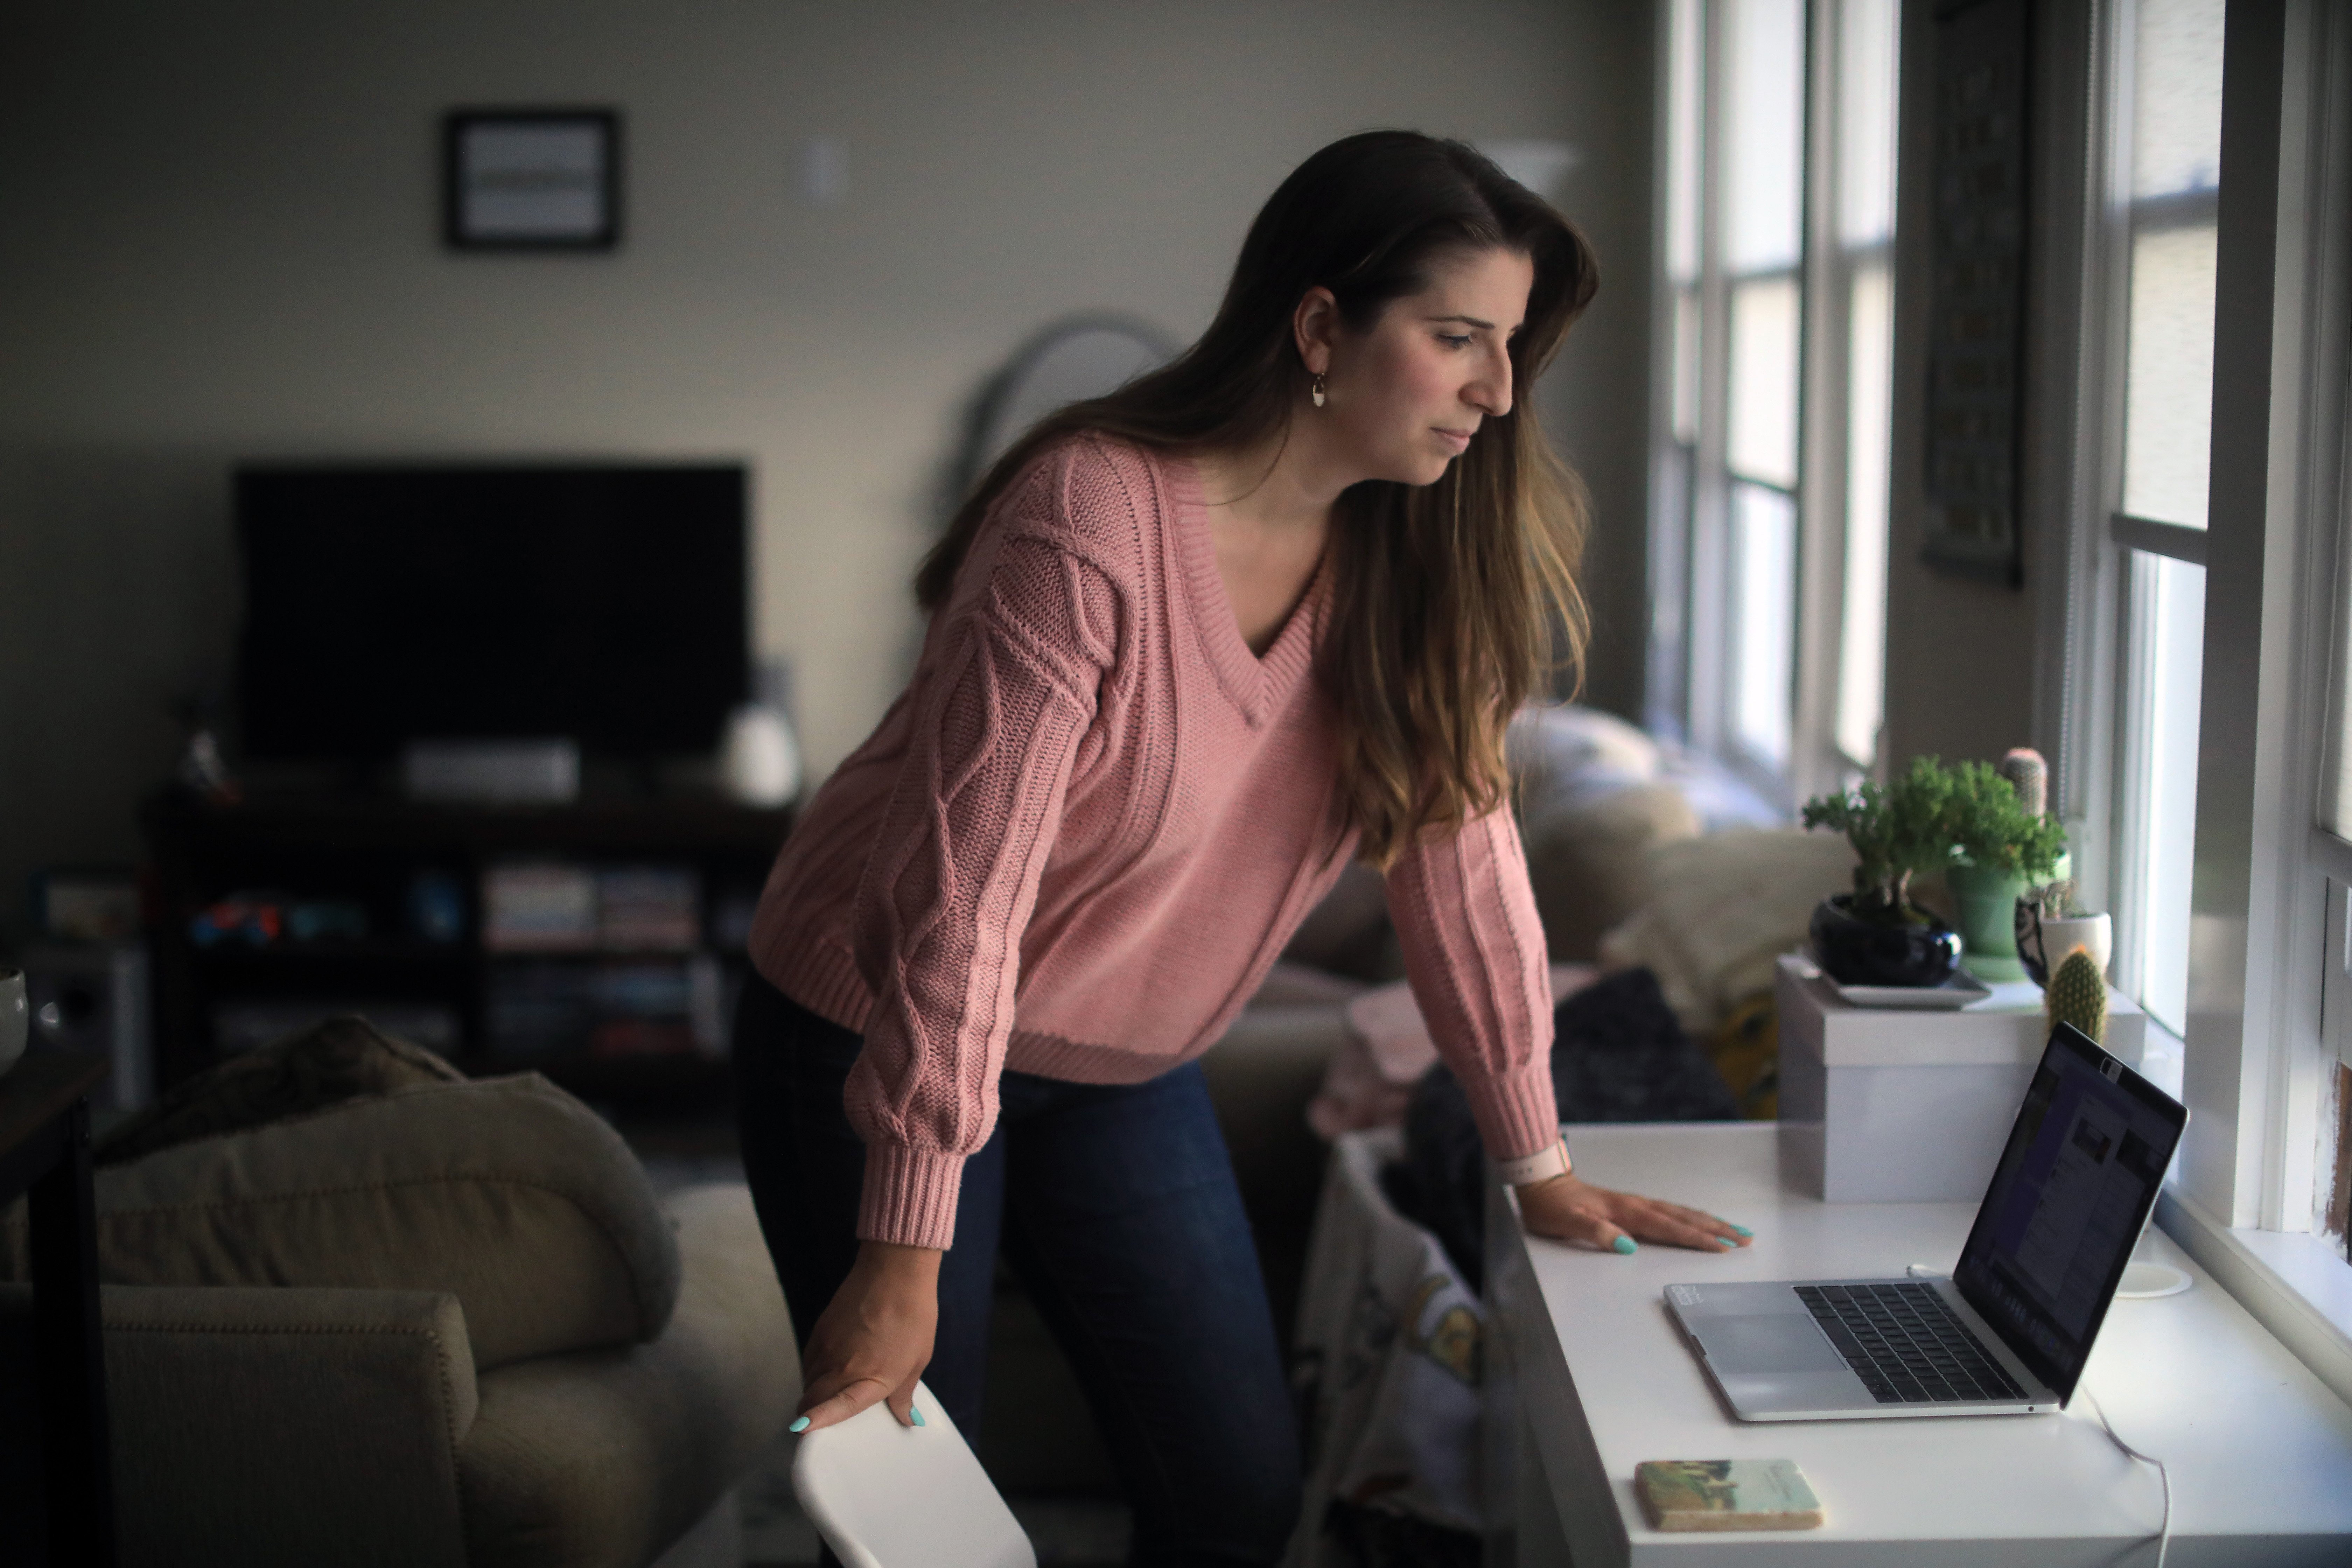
(1588, 1377)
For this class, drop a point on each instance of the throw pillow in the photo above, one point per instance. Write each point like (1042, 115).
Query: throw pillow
(327, 1064)
(506, 1193)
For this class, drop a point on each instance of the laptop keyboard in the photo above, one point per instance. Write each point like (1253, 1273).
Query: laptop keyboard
(1907, 1345)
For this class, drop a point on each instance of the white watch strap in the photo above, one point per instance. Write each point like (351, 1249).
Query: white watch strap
(1539, 1166)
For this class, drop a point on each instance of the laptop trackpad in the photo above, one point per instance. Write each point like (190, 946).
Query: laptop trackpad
(1771, 1342)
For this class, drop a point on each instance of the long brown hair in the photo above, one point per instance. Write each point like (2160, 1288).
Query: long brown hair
(1452, 602)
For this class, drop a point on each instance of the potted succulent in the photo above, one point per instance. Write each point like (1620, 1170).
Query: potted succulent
(1876, 935)
(2007, 847)
(2051, 925)
(1971, 819)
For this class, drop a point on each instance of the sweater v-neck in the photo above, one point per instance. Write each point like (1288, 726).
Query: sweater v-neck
(1253, 682)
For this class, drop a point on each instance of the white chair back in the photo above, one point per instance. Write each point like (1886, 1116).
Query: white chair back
(887, 1496)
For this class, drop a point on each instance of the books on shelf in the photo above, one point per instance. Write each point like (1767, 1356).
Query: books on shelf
(662, 1007)
(656, 990)
(553, 906)
(648, 908)
(539, 907)
(538, 1009)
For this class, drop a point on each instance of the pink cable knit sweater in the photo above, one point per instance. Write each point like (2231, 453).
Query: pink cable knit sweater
(1081, 835)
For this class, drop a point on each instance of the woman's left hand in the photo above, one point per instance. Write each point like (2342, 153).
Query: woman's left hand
(1568, 1208)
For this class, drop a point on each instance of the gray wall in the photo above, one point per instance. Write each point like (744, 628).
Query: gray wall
(220, 242)
(1962, 655)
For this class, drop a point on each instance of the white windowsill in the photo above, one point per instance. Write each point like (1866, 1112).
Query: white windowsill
(2295, 1284)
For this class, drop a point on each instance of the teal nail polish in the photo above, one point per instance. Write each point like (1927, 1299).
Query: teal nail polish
(1724, 1241)
(916, 1412)
(1623, 1244)
(1743, 1230)
(801, 1425)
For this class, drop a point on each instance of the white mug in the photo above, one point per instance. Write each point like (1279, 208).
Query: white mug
(14, 1017)
(2045, 941)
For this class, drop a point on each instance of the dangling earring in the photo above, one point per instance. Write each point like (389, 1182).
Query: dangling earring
(1316, 391)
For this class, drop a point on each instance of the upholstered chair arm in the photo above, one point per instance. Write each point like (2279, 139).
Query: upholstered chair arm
(262, 1426)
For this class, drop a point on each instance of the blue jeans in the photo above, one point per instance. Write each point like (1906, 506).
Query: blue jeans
(1115, 1207)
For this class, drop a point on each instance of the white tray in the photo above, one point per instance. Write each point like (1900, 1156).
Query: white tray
(1959, 988)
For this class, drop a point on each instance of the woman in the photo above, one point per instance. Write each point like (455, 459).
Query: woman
(1193, 646)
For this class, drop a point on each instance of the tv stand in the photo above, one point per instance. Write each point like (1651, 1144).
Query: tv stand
(490, 772)
(366, 852)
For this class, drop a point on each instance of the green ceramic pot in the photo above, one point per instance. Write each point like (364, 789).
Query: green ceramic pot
(1986, 902)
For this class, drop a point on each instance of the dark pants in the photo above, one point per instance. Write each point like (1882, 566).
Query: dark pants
(1116, 1209)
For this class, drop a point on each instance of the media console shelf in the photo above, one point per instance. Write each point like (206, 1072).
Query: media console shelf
(362, 867)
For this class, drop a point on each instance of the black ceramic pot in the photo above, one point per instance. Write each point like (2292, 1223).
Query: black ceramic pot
(1863, 952)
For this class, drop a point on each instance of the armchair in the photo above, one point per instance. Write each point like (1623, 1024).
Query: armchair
(449, 1324)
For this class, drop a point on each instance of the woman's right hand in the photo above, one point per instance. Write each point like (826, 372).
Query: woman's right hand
(875, 1337)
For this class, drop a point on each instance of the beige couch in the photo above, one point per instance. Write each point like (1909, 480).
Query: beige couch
(443, 1324)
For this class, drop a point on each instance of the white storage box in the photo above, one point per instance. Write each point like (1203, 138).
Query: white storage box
(1888, 1105)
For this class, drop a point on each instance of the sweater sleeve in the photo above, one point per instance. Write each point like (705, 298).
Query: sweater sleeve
(1474, 950)
(953, 875)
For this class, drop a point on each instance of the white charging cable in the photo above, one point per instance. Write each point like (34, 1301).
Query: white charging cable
(2164, 1531)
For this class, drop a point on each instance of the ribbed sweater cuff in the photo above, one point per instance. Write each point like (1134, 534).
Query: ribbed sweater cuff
(909, 1197)
(1516, 1112)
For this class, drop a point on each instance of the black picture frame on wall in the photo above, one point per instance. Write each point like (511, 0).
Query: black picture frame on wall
(1981, 244)
(531, 179)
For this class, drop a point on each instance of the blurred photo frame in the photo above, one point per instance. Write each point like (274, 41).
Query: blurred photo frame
(531, 179)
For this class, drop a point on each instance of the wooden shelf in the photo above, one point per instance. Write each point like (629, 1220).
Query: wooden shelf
(684, 826)
(366, 849)
(318, 954)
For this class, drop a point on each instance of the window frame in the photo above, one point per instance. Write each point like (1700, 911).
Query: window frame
(1688, 695)
(2272, 586)
(2249, 1191)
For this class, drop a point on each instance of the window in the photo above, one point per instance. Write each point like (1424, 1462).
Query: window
(1861, 280)
(1769, 537)
(2165, 194)
(2207, 660)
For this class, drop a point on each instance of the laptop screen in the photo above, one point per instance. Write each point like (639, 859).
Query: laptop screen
(2066, 1205)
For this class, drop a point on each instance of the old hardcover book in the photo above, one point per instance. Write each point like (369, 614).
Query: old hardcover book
(1726, 1494)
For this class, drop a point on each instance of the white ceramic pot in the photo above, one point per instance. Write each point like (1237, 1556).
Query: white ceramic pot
(760, 763)
(2043, 942)
(14, 1017)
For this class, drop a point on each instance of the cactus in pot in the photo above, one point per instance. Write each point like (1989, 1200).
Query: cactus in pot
(2078, 995)
(2029, 775)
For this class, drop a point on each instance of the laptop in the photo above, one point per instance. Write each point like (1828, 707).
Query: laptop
(2008, 1333)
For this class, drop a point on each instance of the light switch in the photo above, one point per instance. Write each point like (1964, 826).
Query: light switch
(825, 170)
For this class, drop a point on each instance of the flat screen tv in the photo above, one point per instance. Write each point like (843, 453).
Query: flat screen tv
(603, 604)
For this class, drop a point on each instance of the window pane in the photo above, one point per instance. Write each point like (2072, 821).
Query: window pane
(1764, 58)
(1862, 643)
(1865, 129)
(2167, 668)
(1866, 135)
(1764, 602)
(2176, 97)
(2168, 392)
(1664, 708)
(2176, 160)
(1686, 363)
(1763, 434)
(1683, 142)
(2336, 786)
